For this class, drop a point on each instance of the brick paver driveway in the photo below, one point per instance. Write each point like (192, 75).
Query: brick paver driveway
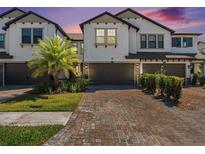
(130, 117)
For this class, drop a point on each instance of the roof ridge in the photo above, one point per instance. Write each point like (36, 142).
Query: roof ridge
(106, 12)
(38, 15)
(145, 17)
(11, 10)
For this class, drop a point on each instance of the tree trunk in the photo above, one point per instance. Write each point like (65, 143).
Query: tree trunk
(55, 80)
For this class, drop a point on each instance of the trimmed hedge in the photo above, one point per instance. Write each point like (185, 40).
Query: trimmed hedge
(169, 86)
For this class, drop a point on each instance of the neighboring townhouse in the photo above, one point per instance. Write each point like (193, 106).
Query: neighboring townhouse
(119, 48)
(77, 39)
(19, 35)
(201, 47)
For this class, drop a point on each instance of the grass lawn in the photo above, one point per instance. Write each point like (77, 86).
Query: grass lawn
(34, 102)
(29, 135)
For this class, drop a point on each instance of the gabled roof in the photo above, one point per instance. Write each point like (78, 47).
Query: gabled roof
(10, 11)
(30, 12)
(148, 19)
(109, 14)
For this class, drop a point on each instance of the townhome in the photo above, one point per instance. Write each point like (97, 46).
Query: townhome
(19, 35)
(119, 48)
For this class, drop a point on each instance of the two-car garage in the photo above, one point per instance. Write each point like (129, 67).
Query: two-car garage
(123, 73)
(111, 73)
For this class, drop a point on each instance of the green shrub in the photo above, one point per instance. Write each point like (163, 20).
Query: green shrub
(72, 85)
(169, 86)
(82, 82)
(197, 76)
(162, 84)
(204, 86)
(43, 87)
(75, 87)
(177, 88)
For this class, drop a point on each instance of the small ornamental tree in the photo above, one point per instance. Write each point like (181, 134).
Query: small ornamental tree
(54, 56)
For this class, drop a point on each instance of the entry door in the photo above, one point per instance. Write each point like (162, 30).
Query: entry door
(1, 75)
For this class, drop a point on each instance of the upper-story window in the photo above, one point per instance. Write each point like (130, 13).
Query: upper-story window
(187, 42)
(182, 42)
(151, 41)
(37, 34)
(160, 41)
(100, 36)
(31, 35)
(106, 36)
(143, 39)
(111, 36)
(176, 42)
(26, 35)
(2, 41)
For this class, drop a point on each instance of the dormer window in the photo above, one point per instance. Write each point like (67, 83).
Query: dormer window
(2, 41)
(31, 35)
(106, 37)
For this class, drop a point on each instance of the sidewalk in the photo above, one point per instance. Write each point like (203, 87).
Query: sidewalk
(34, 118)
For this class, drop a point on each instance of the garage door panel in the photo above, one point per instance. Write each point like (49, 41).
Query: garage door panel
(111, 73)
(20, 74)
(170, 69)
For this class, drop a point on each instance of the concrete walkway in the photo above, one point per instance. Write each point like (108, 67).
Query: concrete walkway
(34, 118)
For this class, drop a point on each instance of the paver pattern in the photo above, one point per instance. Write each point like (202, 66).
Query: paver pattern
(194, 96)
(130, 117)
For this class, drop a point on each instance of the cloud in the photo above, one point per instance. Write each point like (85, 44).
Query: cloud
(191, 24)
(169, 15)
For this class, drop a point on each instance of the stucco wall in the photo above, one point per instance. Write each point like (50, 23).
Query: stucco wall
(2, 24)
(146, 27)
(24, 53)
(101, 53)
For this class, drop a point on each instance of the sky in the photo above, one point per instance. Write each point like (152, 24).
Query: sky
(179, 19)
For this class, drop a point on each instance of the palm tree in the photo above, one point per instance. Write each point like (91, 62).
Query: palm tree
(54, 56)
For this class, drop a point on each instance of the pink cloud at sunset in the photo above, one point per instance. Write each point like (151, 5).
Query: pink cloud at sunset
(169, 14)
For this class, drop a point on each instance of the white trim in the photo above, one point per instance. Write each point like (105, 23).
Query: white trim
(187, 70)
(204, 70)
